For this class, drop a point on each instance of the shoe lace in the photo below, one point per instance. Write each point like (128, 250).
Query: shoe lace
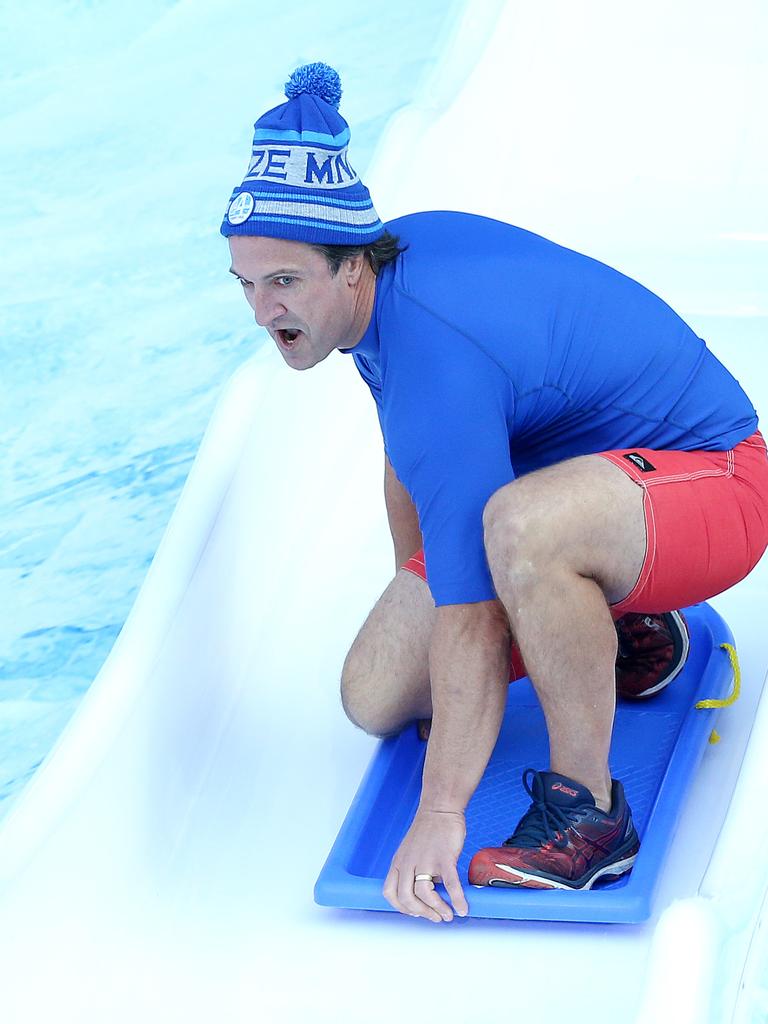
(542, 822)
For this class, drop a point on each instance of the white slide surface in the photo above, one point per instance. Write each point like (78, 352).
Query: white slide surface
(160, 865)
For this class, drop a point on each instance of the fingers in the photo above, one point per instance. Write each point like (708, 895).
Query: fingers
(456, 892)
(419, 898)
(437, 910)
(412, 897)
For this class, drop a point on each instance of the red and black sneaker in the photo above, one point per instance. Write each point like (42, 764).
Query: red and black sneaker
(563, 840)
(652, 652)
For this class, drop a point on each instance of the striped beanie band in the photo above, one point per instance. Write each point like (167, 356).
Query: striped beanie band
(300, 184)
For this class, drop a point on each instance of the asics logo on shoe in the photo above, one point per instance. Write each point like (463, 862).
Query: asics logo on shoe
(564, 789)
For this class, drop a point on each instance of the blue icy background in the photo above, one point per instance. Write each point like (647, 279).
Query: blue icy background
(123, 128)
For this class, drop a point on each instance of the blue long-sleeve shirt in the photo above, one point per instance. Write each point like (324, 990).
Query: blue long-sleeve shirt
(492, 352)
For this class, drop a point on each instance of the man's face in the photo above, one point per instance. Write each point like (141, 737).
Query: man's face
(290, 289)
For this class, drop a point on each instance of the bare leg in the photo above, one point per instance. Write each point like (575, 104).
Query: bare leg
(562, 543)
(385, 680)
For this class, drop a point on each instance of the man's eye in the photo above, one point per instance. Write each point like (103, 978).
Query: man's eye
(244, 283)
(284, 280)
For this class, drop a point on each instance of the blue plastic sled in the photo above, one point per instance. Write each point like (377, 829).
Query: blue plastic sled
(656, 749)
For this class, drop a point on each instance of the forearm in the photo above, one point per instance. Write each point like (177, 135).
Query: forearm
(469, 670)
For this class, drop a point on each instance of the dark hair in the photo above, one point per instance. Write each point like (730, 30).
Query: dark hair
(384, 250)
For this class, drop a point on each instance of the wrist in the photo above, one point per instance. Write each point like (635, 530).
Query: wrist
(425, 808)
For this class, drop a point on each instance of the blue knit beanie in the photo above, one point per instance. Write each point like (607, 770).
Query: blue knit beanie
(300, 184)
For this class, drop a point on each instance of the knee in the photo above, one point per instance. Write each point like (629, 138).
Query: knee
(511, 528)
(351, 688)
(357, 698)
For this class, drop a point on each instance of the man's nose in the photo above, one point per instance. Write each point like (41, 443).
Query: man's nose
(266, 310)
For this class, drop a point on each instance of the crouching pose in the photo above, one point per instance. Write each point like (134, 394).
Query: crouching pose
(566, 464)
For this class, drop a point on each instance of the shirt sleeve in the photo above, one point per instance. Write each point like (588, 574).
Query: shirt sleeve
(447, 414)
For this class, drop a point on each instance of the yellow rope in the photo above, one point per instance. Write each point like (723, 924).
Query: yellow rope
(733, 696)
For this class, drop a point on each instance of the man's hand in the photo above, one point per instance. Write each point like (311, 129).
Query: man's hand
(431, 846)
(469, 668)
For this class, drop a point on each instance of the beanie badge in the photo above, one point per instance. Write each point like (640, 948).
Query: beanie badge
(241, 208)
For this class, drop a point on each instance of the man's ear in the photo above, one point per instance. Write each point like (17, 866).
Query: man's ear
(353, 268)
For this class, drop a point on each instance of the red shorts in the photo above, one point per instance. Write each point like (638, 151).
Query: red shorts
(706, 522)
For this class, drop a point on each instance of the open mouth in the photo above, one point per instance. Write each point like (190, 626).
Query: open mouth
(287, 336)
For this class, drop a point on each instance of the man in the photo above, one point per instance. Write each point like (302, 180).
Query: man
(560, 444)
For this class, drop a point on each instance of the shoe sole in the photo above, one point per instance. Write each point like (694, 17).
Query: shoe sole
(523, 879)
(682, 627)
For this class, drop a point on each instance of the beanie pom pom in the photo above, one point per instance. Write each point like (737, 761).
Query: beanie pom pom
(317, 80)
